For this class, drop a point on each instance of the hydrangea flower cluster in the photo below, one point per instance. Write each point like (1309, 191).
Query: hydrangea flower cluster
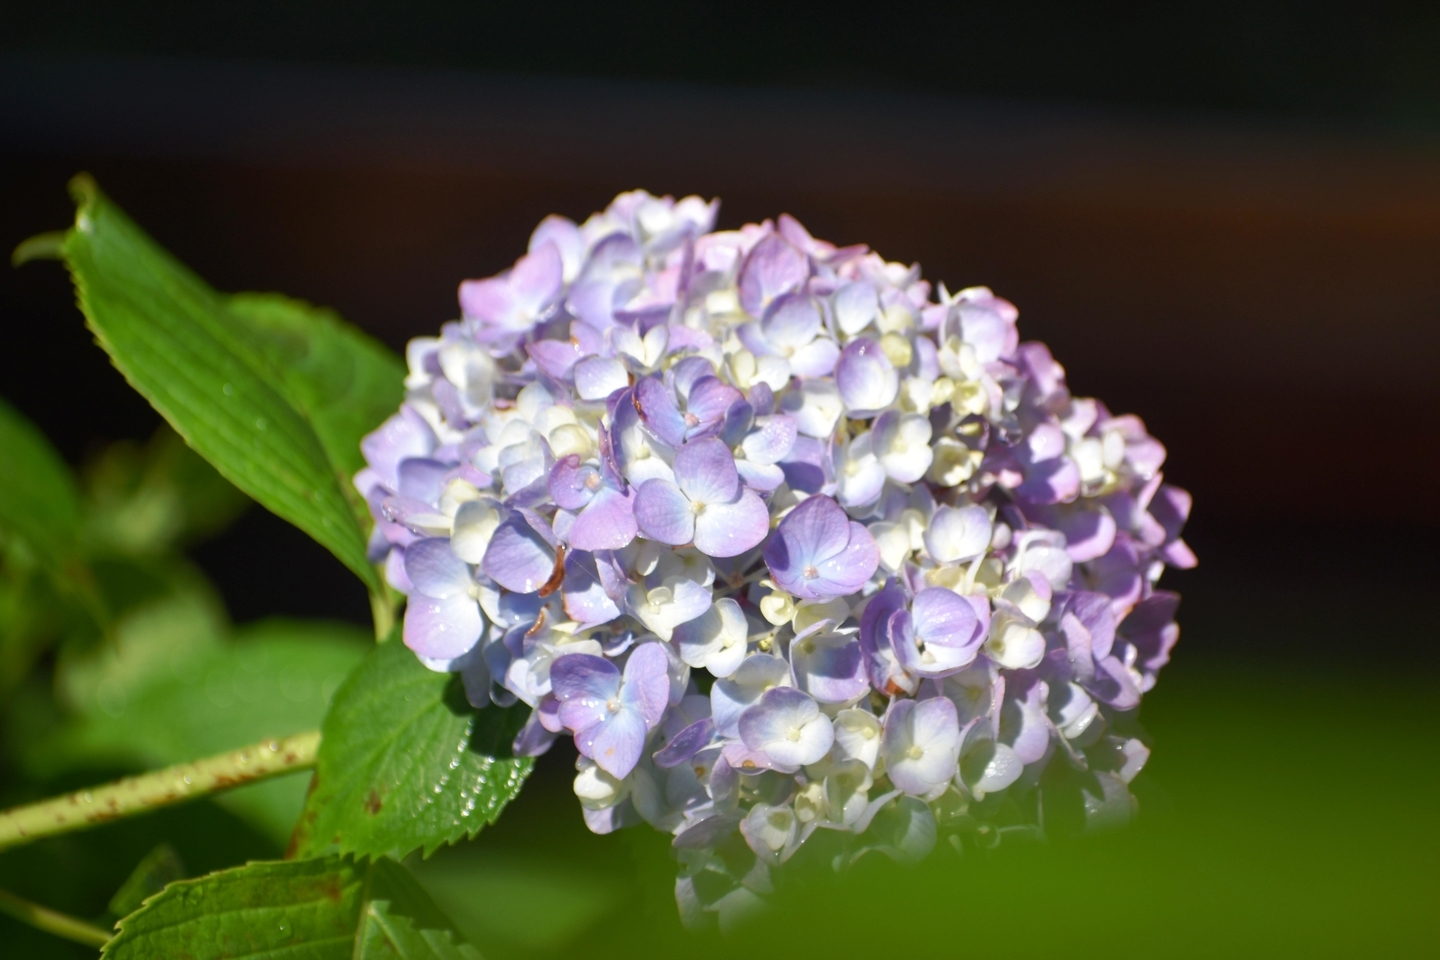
(792, 545)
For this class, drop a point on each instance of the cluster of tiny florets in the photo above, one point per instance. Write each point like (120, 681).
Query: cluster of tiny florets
(793, 546)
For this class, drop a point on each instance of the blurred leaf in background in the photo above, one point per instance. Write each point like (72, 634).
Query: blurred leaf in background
(179, 686)
(156, 497)
(161, 866)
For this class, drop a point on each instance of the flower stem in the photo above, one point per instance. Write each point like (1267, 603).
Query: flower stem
(52, 921)
(147, 791)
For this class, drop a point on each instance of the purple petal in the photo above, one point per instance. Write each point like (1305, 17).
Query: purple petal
(987, 323)
(512, 300)
(404, 435)
(566, 237)
(807, 465)
(729, 529)
(555, 358)
(867, 380)
(585, 685)
(788, 726)
(518, 557)
(536, 278)
(710, 400)
(856, 305)
(690, 371)
(442, 629)
(852, 568)
(705, 471)
(608, 523)
(830, 667)
(1151, 627)
(583, 594)
(930, 727)
(422, 479)
(791, 322)
(685, 744)
(874, 634)
(815, 530)
(616, 744)
(534, 739)
(747, 761)
(663, 513)
(761, 477)
(1114, 685)
(772, 267)
(816, 359)
(435, 571)
(573, 485)
(1118, 573)
(658, 410)
(761, 398)
(647, 682)
(1050, 481)
(771, 441)
(596, 378)
(1024, 725)
(943, 617)
(1094, 611)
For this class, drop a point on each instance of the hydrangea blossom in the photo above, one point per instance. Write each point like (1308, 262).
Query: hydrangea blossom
(803, 553)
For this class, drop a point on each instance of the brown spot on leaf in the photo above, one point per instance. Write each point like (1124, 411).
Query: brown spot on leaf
(372, 803)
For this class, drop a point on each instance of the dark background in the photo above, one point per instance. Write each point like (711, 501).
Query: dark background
(1222, 216)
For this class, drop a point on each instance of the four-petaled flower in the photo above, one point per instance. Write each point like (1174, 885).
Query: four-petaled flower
(612, 714)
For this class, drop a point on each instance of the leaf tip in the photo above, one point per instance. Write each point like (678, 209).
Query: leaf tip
(42, 246)
(83, 189)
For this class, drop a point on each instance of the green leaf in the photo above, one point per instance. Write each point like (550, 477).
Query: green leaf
(39, 502)
(145, 500)
(173, 688)
(400, 920)
(244, 380)
(346, 382)
(304, 908)
(311, 909)
(406, 763)
(160, 867)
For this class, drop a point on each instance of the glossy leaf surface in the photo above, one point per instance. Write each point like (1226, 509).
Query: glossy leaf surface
(406, 763)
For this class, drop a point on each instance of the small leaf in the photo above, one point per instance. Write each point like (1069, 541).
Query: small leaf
(300, 908)
(406, 763)
(400, 920)
(39, 502)
(244, 380)
(315, 909)
(161, 866)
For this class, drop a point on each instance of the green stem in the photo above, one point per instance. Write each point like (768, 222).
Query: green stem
(382, 609)
(52, 921)
(147, 791)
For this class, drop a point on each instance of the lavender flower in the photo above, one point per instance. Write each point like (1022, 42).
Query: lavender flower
(918, 571)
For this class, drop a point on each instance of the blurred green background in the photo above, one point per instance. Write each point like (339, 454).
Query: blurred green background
(1223, 217)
